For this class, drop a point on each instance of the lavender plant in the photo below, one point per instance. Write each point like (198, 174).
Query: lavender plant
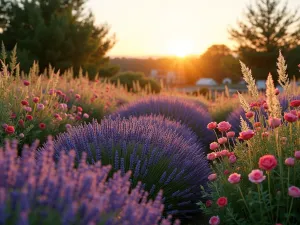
(43, 192)
(161, 154)
(193, 116)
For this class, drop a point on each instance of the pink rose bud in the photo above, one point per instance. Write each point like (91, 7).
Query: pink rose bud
(294, 192)
(230, 134)
(212, 125)
(212, 177)
(214, 220)
(289, 162)
(222, 140)
(213, 146)
(232, 159)
(256, 176)
(297, 154)
(249, 114)
(234, 178)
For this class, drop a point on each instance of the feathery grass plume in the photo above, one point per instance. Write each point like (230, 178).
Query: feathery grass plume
(13, 60)
(272, 100)
(247, 75)
(227, 92)
(244, 125)
(245, 105)
(3, 52)
(283, 78)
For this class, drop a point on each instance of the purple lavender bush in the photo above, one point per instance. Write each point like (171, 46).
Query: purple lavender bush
(176, 109)
(234, 117)
(161, 154)
(40, 191)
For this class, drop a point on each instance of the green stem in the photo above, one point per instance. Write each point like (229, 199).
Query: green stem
(288, 217)
(259, 197)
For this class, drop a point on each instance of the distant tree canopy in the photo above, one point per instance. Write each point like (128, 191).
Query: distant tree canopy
(268, 26)
(218, 63)
(59, 32)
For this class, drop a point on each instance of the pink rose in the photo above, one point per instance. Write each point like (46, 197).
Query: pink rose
(224, 152)
(249, 114)
(222, 140)
(234, 178)
(290, 117)
(230, 134)
(214, 220)
(294, 192)
(297, 154)
(289, 162)
(212, 125)
(211, 156)
(256, 176)
(267, 162)
(212, 177)
(232, 159)
(224, 126)
(213, 146)
(274, 122)
(246, 135)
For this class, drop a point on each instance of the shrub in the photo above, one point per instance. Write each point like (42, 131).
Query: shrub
(130, 79)
(161, 154)
(193, 116)
(258, 180)
(41, 192)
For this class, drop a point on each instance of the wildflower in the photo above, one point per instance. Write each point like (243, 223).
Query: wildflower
(36, 99)
(13, 116)
(257, 124)
(26, 82)
(214, 220)
(21, 135)
(9, 129)
(224, 126)
(256, 176)
(28, 109)
(222, 201)
(68, 126)
(222, 140)
(246, 135)
(226, 172)
(77, 96)
(213, 146)
(294, 192)
(208, 203)
(234, 178)
(42, 126)
(274, 122)
(24, 102)
(290, 162)
(211, 156)
(297, 154)
(230, 134)
(86, 116)
(295, 103)
(290, 117)
(212, 177)
(277, 91)
(267, 162)
(77, 118)
(212, 125)
(21, 123)
(79, 109)
(232, 159)
(224, 152)
(4, 125)
(40, 107)
(56, 115)
(45, 102)
(249, 114)
(265, 134)
(29, 117)
(51, 92)
(58, 92)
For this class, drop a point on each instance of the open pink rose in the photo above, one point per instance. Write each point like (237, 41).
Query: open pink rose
(224, 126)
(213, 146)
(294, 192)
(267, 162)
(246, 135)
(234, 178)
(214, 220)
(256, 176)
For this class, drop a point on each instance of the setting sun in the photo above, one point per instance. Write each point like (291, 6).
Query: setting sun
(180, 48)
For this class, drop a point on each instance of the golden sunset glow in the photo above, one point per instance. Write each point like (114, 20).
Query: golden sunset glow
(180, 48)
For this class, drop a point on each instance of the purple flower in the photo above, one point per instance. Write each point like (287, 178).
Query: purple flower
(192, 115)
(161, 154)
(62, 194)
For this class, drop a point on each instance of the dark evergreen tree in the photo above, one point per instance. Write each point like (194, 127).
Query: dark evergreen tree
(56, 32)
(269, 26)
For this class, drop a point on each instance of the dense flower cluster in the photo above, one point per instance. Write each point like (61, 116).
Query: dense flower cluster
(161, 153)
(40, 192)
(194, 116)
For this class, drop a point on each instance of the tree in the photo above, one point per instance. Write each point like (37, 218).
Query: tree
(218, 63)
(56, 32)
(267, 28)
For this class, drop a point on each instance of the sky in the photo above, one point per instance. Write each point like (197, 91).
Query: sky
(153, 28)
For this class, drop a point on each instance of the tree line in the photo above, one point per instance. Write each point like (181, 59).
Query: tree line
(64, 34)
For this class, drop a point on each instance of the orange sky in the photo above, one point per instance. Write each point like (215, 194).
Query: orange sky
(167, 27)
